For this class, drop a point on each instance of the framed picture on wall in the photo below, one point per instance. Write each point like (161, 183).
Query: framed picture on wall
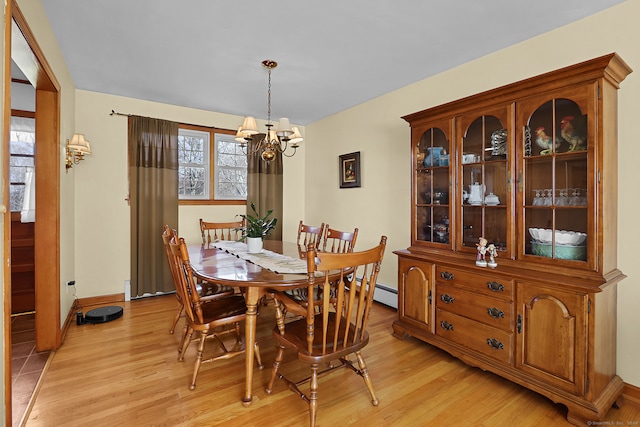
(350, 170)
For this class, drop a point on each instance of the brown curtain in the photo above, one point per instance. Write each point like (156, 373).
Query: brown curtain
(153, 194)
(264, 186)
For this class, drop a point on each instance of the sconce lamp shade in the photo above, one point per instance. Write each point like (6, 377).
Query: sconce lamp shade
(79, 144)
(76, 149)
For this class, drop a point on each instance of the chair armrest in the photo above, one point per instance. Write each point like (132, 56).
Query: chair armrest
(291, 305)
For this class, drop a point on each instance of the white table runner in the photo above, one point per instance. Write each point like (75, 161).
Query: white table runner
(273, 261)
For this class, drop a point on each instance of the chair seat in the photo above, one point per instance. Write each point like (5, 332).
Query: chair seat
(300, 295)
(222, 309)
(295, 334)
(206, 289)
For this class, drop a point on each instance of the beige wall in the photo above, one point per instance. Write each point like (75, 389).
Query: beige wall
(101, 212)
(375, 129)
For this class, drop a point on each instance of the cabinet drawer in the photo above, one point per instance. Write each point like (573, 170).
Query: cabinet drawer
(477, 336)
(492, 285)
(491, 311)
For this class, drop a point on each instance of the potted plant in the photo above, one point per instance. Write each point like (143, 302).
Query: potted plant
(257, 228)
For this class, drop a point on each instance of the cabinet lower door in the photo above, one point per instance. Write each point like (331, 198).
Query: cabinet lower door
(552, 335)
(415, 279)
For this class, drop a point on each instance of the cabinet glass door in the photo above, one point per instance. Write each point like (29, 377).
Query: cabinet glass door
(484, 169)
(432, 201)
(555, 149)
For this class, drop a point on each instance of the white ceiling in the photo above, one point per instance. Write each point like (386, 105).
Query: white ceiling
(332, 54)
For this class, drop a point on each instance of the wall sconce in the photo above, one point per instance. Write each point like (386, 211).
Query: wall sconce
(77, 148)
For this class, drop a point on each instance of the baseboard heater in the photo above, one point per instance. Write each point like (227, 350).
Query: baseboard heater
(386, 295)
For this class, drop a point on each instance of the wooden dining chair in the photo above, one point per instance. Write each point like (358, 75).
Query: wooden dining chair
(206, 290)
(309, 234)
(339, 329)
(213, 320)
(336, 241)
(214, 231)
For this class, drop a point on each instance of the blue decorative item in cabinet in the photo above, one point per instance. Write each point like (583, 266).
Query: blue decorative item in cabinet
(433, 156)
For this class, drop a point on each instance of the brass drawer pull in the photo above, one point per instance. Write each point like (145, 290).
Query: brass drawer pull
(446, 325)
(495, 286)
(448, 299)
(446, 275)
(495, 344)
(495, 313)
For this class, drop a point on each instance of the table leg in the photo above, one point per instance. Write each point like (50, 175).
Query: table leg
(252, 297)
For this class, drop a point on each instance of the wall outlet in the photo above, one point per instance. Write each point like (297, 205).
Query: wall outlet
(70, 283)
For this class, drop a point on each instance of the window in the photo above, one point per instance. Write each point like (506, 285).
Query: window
(212, 167)
(230, 176)
(194, 165)
(22, 156)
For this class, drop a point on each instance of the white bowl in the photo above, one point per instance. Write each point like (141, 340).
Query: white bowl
(562, 237)
(572, 238)
(534, 233)
(541, 234)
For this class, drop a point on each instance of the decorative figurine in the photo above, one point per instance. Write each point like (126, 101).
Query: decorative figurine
(482, 251)
(545, 141)
(568, 133)
(493, 254)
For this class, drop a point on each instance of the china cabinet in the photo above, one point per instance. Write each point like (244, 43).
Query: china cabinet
(532, 168)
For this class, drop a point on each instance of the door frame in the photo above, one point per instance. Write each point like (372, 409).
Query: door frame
(47, 226)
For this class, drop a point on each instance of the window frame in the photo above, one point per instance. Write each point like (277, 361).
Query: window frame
(211, 200)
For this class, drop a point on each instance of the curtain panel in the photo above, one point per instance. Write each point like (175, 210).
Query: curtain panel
(153, 195)
(264, 185)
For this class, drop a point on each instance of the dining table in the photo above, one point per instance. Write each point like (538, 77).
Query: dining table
(214, 263)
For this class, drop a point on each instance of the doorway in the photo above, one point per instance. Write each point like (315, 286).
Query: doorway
(22, 149)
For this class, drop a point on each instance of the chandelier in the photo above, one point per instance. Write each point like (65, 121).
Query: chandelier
(275, 140)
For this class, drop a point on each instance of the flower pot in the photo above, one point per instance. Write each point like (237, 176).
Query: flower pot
(254, 245)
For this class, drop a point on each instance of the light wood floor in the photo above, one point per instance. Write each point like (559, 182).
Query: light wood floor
(126, 373)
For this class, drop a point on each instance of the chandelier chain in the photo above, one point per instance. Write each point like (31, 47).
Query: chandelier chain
(269, 99)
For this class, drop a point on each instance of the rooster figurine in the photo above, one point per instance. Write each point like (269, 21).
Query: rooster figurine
(544, 141)
(568, 133)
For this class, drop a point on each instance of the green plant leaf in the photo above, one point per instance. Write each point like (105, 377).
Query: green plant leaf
(257, 226)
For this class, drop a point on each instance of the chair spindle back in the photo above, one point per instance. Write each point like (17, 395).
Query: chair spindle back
(346, 302)
(214, 231)
(310, 235)
(337, 241)
(186, 279)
